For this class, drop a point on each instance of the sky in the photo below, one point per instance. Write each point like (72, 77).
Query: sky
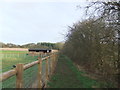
(32, 22)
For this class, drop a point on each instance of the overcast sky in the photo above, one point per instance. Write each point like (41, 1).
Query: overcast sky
(25, 22)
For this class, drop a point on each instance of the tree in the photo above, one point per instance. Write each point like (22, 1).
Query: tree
(110, 12)
(90, 45)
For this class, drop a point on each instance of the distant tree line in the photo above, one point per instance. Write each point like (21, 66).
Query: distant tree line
(43, 45)
(94, 43)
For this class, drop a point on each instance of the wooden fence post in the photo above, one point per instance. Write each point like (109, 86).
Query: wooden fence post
(47, 69)
(50, 65)
(19, 76)
(52, 60)
(55, 60)
(40, 74)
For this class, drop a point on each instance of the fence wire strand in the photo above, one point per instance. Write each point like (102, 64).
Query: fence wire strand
(30, 75)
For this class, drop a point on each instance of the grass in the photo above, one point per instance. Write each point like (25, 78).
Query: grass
(10, 58)
(29, 76)
(68, 76)
(8, 51)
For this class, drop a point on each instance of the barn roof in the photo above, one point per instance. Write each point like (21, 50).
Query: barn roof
(40, 50)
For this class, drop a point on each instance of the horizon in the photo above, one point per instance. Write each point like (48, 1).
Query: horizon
(32, 42)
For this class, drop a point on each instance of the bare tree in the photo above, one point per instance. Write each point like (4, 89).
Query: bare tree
(110, 12)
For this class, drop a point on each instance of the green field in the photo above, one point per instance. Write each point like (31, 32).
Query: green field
(10, 58)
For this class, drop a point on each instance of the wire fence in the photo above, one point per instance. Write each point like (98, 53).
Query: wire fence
(9, 83)
(10, 60)
(43, 71)
(30, 75)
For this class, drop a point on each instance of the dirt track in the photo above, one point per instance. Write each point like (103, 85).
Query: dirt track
(20, 49)
(15, 49)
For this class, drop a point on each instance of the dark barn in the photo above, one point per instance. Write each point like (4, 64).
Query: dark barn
(40, 50)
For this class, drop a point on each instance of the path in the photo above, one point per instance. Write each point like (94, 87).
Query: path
(68, 76)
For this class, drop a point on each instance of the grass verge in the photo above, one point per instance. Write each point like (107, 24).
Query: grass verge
(68, 76)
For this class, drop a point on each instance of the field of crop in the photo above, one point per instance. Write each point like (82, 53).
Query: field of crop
(10, 58)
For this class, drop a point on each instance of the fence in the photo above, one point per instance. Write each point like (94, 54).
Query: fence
(42, 70)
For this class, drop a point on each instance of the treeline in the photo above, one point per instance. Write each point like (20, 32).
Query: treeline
(43, 45)
(93, 45)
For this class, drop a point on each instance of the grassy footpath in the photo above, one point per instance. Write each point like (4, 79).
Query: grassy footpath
(68, 76)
